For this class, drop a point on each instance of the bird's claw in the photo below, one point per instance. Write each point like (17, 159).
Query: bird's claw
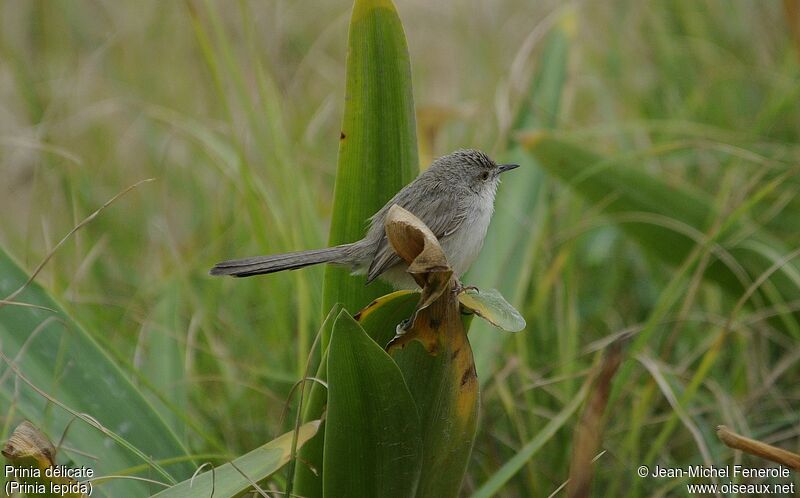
(459, 288)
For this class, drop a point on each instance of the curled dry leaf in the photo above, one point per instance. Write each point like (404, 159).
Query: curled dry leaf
(27, 441)
(28, 450)
(414, 242)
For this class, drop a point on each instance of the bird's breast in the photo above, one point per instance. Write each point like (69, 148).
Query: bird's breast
(463, 246)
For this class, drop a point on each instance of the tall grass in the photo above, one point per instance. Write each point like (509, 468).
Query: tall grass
(235, 108)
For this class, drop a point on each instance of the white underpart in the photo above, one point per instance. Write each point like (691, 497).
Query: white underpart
(464, 245)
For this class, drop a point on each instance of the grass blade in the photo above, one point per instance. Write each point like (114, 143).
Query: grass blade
(589, 431)
(670, 221)
(513, 465)
(234, 478)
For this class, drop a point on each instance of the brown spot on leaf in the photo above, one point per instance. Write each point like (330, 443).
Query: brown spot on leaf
(365, 309)
(469, 374)
(342, 136)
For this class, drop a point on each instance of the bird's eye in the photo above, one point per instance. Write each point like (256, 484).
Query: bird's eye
(485, 175)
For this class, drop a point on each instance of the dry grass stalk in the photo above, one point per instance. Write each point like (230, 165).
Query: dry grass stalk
(589, 431)
(757, 448)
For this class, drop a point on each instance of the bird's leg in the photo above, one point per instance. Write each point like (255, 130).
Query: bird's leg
(459, 287)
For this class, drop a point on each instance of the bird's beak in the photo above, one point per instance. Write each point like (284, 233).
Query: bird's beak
(506, 167)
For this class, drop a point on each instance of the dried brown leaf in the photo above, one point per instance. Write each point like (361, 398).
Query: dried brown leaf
(414, 242)
(28, 441)
(589, 432)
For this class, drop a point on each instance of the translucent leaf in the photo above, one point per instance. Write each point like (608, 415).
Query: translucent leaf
(492, 307)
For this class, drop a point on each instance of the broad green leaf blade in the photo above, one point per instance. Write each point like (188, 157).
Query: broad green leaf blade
(378, 147)
(434, 354)
(60, 358)
(161, 356)
(372, 435)
(632, 189)
(514, 236)
(493, 307)
(231, 479)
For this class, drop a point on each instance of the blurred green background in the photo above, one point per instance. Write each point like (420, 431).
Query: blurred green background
(234, 109)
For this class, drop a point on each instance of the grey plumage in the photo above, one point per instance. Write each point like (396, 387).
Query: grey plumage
(261, 265)
(454, 197)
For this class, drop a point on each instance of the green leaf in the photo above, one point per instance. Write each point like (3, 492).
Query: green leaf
(378, 146)
(57, 356)
(445, 389)
(372, 436)
(443, 385)
(627, 189)
(161, 356)
(377, 157)
(380, 317)
(493, 307)
(231, 479)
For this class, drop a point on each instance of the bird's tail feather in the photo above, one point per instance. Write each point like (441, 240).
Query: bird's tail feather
(260, 265)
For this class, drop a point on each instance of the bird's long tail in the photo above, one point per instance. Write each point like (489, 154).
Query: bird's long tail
(260, 265)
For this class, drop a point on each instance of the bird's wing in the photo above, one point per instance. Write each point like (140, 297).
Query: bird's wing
(436, 210)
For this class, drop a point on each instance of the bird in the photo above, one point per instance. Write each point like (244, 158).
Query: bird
(454, 197)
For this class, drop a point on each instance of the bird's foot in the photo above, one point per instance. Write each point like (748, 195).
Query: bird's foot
(460, 288)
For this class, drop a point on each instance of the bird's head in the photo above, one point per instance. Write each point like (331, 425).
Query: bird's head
(472, 169)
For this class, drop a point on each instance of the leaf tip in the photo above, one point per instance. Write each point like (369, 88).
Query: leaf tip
(362, 8)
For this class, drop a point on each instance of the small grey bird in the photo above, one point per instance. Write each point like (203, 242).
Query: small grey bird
(454, 197)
